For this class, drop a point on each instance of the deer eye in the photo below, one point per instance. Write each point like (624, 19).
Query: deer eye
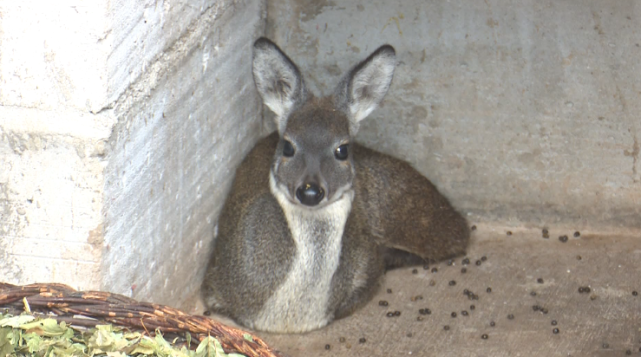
(288, 149)
(341, 152)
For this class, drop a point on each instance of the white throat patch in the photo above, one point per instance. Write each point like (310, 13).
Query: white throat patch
(300, 303)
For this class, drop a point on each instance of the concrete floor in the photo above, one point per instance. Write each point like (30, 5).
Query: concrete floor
(604, 322)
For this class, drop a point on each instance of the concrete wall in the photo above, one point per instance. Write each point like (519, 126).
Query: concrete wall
(52, 140)
(120, 126)
(522, 112)
(185, 126)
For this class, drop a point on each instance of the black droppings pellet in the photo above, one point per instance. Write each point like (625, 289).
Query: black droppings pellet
(473, 228)
(389, 291)
(419, 318)
(362, 340)
(635, 293)
(478, 262)
(453, 314)
(545, 231)
(450, 262)
(464, 313)
(484, 336)
(628, 352)
(341, 339)
(424, 311)
(472, 307)
(452, 282)
(409, 334)
(509, 233)
(555, 330)
(466, 292)
(463, 270)
(554, 322)
(465, 261)
(539, 280)
(390, 314)
(483, 258)
(446, 327)
(577, 234)
(536, 307)
(414, 271)
(492, 323)
(207, 313)
(533, 293)
(510, 317)
(426, 267)
(581, 290)
(605, 345)
(578, 257)
(544, 310)
(587, 289)
(563, 239)
(434, 270)
(489, 290)
(327, 346)
(383, 303)
(397, 313)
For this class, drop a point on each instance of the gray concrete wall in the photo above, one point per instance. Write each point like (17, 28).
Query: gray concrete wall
(121, 124)
(184, 127)
(522, 112)
(53, 130)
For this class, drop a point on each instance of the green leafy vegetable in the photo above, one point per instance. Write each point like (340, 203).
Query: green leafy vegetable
(26, 335)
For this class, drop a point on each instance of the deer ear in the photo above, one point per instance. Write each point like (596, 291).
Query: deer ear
(278, 80)
(365, 85)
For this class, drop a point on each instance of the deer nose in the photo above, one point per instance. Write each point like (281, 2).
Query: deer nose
(310, 194)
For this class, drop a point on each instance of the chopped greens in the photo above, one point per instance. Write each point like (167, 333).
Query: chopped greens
(26, 335)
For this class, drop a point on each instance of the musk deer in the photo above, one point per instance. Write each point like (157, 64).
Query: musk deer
(314, 219)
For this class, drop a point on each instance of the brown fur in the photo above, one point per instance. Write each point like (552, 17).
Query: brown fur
(397, 216)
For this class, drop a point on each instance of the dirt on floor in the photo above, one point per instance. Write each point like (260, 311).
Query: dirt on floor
(519, 295)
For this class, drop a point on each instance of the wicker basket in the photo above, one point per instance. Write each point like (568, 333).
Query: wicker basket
(91, 308)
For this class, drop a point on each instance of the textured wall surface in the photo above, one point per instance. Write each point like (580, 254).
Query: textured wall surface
(185, 126)
(522, 112)
(121, 124)
(52, 145)
(51, 198)
(53, 54)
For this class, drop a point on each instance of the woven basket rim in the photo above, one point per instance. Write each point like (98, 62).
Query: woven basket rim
(91, 308)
